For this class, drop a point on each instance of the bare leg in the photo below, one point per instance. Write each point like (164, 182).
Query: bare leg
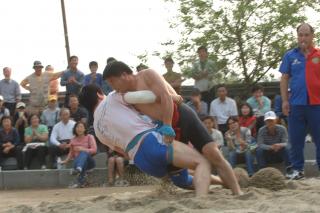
(212, 153)
(186, 157)
(111, 165)
(120, 166)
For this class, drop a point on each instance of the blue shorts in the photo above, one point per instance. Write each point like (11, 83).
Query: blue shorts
(182, 179)
(153, 156)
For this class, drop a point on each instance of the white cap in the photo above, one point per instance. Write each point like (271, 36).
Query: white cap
(20, 104)
(270, 116)
(1, 98)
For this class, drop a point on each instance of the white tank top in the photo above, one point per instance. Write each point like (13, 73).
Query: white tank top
(117, 123)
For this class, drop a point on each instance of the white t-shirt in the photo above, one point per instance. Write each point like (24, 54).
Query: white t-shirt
(223, 110)
(116, 123)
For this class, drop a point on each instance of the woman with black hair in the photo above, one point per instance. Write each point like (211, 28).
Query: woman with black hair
(82, 148)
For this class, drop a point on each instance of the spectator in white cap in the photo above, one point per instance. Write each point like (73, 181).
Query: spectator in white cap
(3, 111)
(20, 119)
(272, 142)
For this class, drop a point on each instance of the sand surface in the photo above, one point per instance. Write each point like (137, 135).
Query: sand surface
(300, 196)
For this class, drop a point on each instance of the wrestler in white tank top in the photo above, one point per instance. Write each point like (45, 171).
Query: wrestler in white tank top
(117, 123)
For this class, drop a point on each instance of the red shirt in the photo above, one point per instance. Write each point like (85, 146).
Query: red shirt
(248, 121)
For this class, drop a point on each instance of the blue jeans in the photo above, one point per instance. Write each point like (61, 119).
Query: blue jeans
(248, 157)
(268, 156)
(85, 161)
(300, 119)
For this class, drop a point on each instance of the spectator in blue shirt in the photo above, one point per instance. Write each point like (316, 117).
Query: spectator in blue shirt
(93, 77)
(72, 78)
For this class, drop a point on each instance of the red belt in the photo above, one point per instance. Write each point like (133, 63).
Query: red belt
(175, 121)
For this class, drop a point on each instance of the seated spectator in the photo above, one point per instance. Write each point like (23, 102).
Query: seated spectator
(82, 148)
(10, 145)
(212, 127)
(20, 120)
(36, 138)
(272, 142)
(239, 143)
(50, 116)
(116, 166)
(260, 104)
(3, 111)
(60, 137)
(199, 106)
(223, 107)
(77, 113)
(93, 77)
(247, 119)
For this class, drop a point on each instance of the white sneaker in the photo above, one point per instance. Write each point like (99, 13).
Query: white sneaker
(295, 175)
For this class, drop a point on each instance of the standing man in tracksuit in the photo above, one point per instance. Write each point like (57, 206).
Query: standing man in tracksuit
(300, 70)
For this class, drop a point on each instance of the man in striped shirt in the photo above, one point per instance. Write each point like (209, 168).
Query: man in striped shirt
(272, 142)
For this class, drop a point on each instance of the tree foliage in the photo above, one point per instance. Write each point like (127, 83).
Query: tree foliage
(245, 38)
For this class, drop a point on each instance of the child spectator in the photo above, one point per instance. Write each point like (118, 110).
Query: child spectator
(239, 143)
(36, 138)
(116, 166)
(212, 127)
(247, 119)
(82, 148)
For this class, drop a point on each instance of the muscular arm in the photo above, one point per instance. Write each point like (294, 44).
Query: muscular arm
(162, 90)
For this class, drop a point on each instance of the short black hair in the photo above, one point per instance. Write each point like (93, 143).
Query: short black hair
(311, 28)
(168, 59)
(93, 63)
(72, 57)
(5, 117)
(195, 92)
(88, 96)
(256, 88)
(31, 116)
(111, 59)
(220, 86)
(116, 69)
(248, 105)
(202, 48)
(75, 126)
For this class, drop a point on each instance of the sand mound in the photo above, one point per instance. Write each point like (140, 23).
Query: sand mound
(269, 178)
(242, 177)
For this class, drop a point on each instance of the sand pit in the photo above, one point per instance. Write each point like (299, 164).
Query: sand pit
(300, 196)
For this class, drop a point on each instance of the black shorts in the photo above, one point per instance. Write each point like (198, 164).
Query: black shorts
(192, 128)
